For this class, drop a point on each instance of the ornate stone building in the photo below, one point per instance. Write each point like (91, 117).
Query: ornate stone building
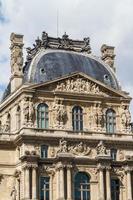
(65, 125)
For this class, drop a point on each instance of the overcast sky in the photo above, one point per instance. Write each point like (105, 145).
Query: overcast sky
(104, 21)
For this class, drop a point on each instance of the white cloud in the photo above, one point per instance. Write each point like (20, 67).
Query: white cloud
(104, 21)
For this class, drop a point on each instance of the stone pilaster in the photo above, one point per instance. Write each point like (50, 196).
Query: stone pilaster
(101, 183)
(129, 183)
(62, 183)
(69, 182)
(108, 183)
(34, 182)
(27, 182)
(57, 183)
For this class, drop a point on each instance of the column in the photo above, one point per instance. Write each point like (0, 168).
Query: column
(129, 186)
(58, 183)
(108, 184)
(69, 183)
(27, 183)
(18, 189)
(101, 182)
(51, 187)
(62, 183)
(34, 182)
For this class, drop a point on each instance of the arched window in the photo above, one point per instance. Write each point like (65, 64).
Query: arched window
(44, 188)
(110, 121)
(77, 118)
(115, 189)
(18, 117)
(42, 116)
(44, 151)
(82, 186)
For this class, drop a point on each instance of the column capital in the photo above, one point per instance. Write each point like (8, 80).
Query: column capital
(69, 166)
(128, 169)
(100, 167)
(26, 166)
(59, 166)
(34, 166)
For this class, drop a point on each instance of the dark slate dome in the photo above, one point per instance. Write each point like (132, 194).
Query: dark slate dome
(51, 64)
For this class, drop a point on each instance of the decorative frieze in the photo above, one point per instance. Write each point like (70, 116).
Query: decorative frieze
(79, 85)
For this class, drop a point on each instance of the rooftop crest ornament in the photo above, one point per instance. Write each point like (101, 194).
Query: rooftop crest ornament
(64, 43)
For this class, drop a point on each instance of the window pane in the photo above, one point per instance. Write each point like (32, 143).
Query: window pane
(82, 186)
(115, 189)
(44, 151)
(110, 121)
(44, 188)
(77, 118)
(42, 116)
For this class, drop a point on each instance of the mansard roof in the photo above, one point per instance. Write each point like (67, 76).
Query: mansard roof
(52, 58)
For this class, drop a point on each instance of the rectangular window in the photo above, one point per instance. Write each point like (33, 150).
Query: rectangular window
(44, 151)
(44, 188)
(113, 154)
(115, 189)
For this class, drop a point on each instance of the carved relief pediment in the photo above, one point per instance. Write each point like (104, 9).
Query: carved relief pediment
(79, 83)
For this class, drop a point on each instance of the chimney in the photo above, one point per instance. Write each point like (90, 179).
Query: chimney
(16, 61)
(108, 55)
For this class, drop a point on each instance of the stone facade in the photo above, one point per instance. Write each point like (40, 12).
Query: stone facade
(68, 151)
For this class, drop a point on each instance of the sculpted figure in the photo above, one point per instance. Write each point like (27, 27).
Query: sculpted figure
(125, 117)
(44, 39)
(101, 149)
(60, 114)
(31, 110)
(13, 193)
(26, 109)
(86, 45)
(63, 146)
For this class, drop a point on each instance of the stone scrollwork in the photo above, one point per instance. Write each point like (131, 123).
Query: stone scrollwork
(59, 114)
(79, 85)
(102, 150)
(119, 172)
